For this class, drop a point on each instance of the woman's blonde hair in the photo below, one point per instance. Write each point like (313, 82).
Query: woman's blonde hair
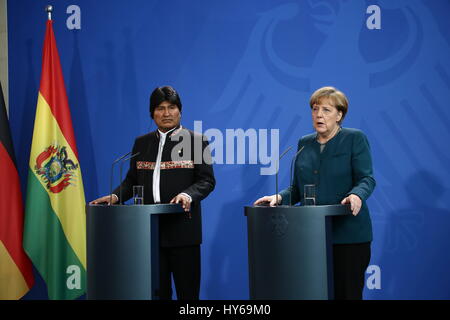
(337, 97)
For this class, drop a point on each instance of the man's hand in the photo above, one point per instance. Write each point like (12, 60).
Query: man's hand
(105, 199)
(183, 200)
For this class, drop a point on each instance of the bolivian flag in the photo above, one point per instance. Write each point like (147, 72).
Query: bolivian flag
(55, 221)
(16, 273)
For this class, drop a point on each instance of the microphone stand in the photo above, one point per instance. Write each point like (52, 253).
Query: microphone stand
(120, 172)
(276, 174)
(111, 177)
(292, 177)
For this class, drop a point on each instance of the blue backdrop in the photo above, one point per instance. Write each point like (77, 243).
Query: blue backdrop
(253, 65)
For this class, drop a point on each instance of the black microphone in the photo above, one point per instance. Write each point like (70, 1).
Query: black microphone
(111, 176)
(292, 178)
(276, 175)
(120, 172)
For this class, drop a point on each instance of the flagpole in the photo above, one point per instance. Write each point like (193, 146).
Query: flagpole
(49, 10)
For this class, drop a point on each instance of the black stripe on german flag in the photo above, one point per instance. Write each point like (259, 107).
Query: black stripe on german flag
(5, 133)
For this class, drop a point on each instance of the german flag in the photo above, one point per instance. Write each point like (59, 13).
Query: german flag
(16, 274)
(55, 219)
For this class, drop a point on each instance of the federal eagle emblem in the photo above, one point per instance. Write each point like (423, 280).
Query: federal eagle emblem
(279, 224)
(55, 168)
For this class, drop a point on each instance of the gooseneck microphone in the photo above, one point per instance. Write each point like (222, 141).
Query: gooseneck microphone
(292, 178)
(120, 172)
(111, 176)
(276, 174)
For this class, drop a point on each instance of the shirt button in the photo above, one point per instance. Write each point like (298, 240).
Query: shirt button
(316, 172)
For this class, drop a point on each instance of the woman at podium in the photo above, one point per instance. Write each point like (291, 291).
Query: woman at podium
(337, 161)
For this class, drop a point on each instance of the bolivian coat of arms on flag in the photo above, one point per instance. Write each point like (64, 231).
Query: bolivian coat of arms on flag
(55, 168)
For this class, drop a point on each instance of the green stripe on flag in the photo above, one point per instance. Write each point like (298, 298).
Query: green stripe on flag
(48, 248)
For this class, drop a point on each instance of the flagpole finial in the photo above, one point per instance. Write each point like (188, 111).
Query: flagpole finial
(49, 10)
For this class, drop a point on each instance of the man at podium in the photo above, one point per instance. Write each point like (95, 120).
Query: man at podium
(337, 161)
(171, 173)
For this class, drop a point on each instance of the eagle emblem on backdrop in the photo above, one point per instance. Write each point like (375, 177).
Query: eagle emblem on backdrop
(55, 168)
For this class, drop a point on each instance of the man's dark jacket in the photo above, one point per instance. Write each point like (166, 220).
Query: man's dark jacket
(191, 175)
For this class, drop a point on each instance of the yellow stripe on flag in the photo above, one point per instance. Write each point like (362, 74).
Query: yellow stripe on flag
(69, 204)
(12, 283)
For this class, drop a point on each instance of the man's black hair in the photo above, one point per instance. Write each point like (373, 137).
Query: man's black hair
(161, 94)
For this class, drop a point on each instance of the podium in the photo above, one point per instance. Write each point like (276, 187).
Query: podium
(123, 250)
(290, 251)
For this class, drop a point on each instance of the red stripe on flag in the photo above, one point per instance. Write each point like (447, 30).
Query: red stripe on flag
(11, 215)
(53, 89)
